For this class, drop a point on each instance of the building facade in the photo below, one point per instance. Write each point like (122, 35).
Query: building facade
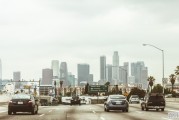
(47, 77)
(55, 68)
(103, 68)
(140, 72)
(17, 78)
(83, 73)
(64, 74)
(115, 68)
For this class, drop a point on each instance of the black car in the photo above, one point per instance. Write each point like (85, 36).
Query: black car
(153, 101)
(75, 100)
(22, 103)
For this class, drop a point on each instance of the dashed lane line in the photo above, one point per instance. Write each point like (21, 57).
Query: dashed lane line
(102, 118)
(94, 112)
(3, 111)
(166, 118)
(41, 115)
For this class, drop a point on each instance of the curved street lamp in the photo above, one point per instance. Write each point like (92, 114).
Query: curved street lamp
(162, 61)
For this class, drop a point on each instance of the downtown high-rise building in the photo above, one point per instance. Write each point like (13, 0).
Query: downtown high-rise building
(115, 68)
(47, 77)
(83, 71)
(55, 68)
(123, 74)
(56, 72)
(109, 73)
(71, 79)
(64, 74)
(17, 78)
(103, 68)
(140, 72)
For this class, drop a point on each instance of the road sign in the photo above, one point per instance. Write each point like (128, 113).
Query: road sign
(98, 88)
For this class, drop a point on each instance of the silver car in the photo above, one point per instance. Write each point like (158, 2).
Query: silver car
(134, 99)
(116, 102)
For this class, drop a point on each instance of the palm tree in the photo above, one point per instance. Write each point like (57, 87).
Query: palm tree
(172, 78)
(151, 80)
(177, 70)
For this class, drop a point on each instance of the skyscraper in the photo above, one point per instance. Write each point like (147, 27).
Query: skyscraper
(17, 77)
(47, 76)
(140, 72)
(103, 68)
(64, 74)
(90, 79)
(115, 68)
(83, 73)
(55, 68)
(109, 74)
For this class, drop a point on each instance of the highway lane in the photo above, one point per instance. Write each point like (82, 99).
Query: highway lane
(90, 112)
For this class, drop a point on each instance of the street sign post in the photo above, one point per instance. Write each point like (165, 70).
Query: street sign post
(98, 88)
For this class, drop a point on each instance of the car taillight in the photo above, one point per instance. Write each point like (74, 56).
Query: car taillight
(30, 102)
(10, 101)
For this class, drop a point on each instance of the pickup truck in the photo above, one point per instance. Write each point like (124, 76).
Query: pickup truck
(153, 101)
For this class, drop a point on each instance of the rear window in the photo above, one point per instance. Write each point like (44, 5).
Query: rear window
(156, 98)
(135, 96)
(117, 97)
(21, 96)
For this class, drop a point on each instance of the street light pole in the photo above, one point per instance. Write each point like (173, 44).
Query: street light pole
(162, 61)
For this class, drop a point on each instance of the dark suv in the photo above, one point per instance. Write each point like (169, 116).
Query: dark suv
(153, 101)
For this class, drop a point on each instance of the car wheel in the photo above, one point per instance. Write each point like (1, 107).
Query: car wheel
(36, 112)
(146, 109)
(127, 110)
(157, 109)
(9, 112)
(107, 109)
(162, 109)
(142, 108)
(32, 112)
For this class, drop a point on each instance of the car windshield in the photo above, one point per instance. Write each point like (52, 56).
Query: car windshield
(117, 97)
(21, 96)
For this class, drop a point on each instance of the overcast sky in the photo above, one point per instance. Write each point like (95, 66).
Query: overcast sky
(34, 32)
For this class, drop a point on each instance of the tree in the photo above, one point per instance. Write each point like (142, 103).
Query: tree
(151, 80)
(107, 83)
(172, 78)
(136, 91)
(86, 88)
(157, 89)
(177, 70)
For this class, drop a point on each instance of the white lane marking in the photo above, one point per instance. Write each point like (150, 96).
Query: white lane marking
(50, 111)
(94, 112)
(174, 110)
(41, 115)
(166, 118)
(102, 118)
(138, 112)
(3, 111)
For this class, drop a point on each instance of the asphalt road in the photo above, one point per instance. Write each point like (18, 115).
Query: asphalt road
(91, 112)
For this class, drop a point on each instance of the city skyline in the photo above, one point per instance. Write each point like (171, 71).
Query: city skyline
(35, 32)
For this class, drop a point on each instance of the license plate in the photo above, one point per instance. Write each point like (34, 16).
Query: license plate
(20, 102)
(118, 103)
